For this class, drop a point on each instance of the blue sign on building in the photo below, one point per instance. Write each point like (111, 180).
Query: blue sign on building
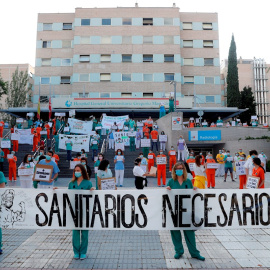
(204, 135)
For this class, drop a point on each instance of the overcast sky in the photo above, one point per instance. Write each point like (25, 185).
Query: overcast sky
(247, 19)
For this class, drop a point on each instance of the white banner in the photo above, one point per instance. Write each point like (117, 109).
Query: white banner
(150, 209)
(108, 121)
(80, 127)
(25, 136)
(79, 142)
(123, 136)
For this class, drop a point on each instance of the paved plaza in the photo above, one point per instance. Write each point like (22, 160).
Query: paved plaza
(52, 249)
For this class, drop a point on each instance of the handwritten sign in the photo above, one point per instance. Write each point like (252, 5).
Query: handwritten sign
(163, 138)
(120, 146)
(107, 184)
(73, 164)
(60, 114)
(212, 166)
(132, 134)
(15, 136)
(240, 169)
(229, 159)
(219, 124)
(172, 153)
(191, 166)
(119, 158)
(66, 129)
(43, 172)
(252, 182)
(161, 160)
(43, 132)
(145, 142)
(10, 156)
(5, 144)
(26, 171)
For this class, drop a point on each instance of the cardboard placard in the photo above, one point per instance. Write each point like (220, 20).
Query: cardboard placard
(132, 134)
(252, 181)
(107, 184)
(212, 165)
(43, 132)
(219, 124)
(30, 114)
(120, 146)
(233, 123)
(73, 164)
(53, 159)
(15, 136)
(19, 120)
(172, 153)
(163, 138)
(161, 160)
(119, 158)
(229, 159)
(26, 171)
(98, 128)
(150, 157)
(144, 168)
(191, 166)
(10, 156)
(71, 113)
(60, 114)
(145, 142)
(5, 144)
(66, 129)
(240, 169)
(254, 117)
(50, 124)
(153, 170)
(43, 173)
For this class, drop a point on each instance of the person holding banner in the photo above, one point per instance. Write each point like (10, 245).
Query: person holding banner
(94, 147)
(80, 181)
(263, 159)
(161, 170)
(258, 171)
(199, 170)
(58, 123)
(12, 167)
(146, 131)
(132, 135)
(83, 154)
(191, 160)
(1, 128)
(119, 160)
(6, 150)
(172, 160)
(154, 137)
(67, 129)
(210, 173)
(2, 156)
(14, 142)
(55, 156)
(179, 180)
(3, 183)
(96, 165)
(26, 181)
(228, 165)
(221, 164)
(162, 141)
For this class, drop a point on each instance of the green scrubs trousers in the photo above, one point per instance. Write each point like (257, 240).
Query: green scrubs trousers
(80, 241)
(132, 143)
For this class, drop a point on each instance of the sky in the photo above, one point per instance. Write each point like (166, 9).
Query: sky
(246, 19)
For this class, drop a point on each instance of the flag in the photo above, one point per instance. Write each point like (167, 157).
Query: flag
(38, 109)
(50, 108)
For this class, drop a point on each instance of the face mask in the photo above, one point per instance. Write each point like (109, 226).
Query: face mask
(119, 153)
(228, 154)
(262, 153)
(237, 155)
(191, 157)
(252, 156)
(179, 172)
(200, 153)
(78, 174)
(141, 156)
(29, 158)
(242, 158)
(161, 153)
(83, 163)
(41, 153)
(210, 157)
(48, 157)
(172, 148)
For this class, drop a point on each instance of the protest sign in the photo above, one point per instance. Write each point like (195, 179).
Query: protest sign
(219, 124)
(163, 138)
(80, 127)
(72, 113)
(161, 160)
(172, 153)
(152, 209)
(43, 172)
(212, 165)
(79, 142)
(5, 144)
(10, 156)
(131, 134)
(254, 117)
(60, 114)
(31, 114)
(119, 146)
(123, 136)
(191, 166)
(229, 159)
(252, 182)
(233, 123)
(107, 184)
(19, 120)
(153, 170)
(73, 164)
(66, 129)
(145, 142)
(43, 132)
(108, 121)
(240, 169)
(15, 136)
(25, 171)
(25, 136)
(119, 158)
(176, 123)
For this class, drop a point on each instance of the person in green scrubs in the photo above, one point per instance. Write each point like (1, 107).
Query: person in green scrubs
(3, 182)
(30, 122)
(179, 181)
(56, 140)
(80, 237)
(96, 165)
(171, 104)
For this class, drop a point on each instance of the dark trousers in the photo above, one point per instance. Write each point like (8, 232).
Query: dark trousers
(94, 153)
(1, 166)
(154, 144)
(69, 155)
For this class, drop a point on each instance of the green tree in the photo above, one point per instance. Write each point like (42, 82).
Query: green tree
(247, 101)
(233, 94)
(3, 87)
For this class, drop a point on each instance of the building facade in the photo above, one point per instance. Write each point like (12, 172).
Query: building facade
(128, 53)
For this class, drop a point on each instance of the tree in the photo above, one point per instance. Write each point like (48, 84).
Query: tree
(247, 101)
(233, 94)
(3, 87)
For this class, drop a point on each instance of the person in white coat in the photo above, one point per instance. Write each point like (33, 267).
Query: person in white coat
(262, 156)
(26, 181)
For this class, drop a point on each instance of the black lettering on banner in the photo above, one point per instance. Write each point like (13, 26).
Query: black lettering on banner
(234, 208)
(55, 210)
(174, 216)
(256, 208)
(222, 210)
(44, 223)
(87, 205)
(139, 201)
(110, 211)
(182, 210)
(97, 211)
(132, 212)
(208, 209)
(81, 210)
(193, 210)
(265, 223)
(118, 211)
(73, 213)
(248, 209)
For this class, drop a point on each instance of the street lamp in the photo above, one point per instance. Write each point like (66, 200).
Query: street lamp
(174, 84)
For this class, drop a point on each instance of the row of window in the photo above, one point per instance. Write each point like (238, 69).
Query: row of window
(206, 43)
(128, 77)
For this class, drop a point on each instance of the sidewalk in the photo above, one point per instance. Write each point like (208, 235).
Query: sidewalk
(52, 249)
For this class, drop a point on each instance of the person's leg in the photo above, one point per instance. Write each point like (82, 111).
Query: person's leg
(158, 176)
(178, 155)
(170, 164)
(241, 184)
(164, 176)
(1, 166)
(225, 177)
(208, 179)
(213, 180)
(121, 175)
(218, 170)
(76, 242)
(191, 243)
(84, 242)
(117, 174)
(177, 242)
(231, 172)
(152, 145)
(22, 183)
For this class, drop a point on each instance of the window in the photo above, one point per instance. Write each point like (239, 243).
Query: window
(168, 77)
(45, 80)
(147, 77)
(106, 21)
(126, 95)
(147, 40)
(66, 62)
(188, 61)
(210, 99)
(84, 77)
(126, 39)
(209, 80)
(126, 57)
(105, 95)
(208, 44)
(66, 43)
(168, 57)
(47, 26)
(147, 21)
(106, 40)
(168, 40)
(187, 43)
(168, 21)
(105, 77)
(207, 26)
(126, 77)
(148, 95)
(126, 21)
(83, 95)
(187, 25)
(188, 79)
(46, 44)
(148, 58)
(46, 61)
(85, 40)
(105, 58)
(67, 26)
(208, 61)
(65, 80)
(85, 21)
(44, 99)
(84, 58)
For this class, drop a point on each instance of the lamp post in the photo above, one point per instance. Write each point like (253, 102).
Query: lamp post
(174, 84)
